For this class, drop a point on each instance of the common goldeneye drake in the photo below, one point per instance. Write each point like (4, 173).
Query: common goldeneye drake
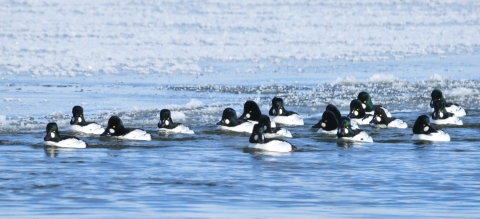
(258, 141)
(53, 138)
(115, 128)
(423, 131)
(79, 124)
(167, 125)
(283, 116)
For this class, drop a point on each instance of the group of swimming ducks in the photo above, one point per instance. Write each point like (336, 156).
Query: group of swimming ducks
(266, 135)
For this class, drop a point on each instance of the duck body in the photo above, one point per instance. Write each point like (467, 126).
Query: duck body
(454, 108)
(440, 116)
(53, 138)
(423, 131)
(345, 132)
(116, 129)
(78, 123)
(258, 141)
(383, 119)
(230, 122)
(166, 124)
(283, 116)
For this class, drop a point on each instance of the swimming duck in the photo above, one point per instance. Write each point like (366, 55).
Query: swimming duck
(258, 141)
(283, 116)
(345, 132)
(366, 101)
(115, 128)
(423, 131)
(80, 125)
(454, 108)
(383, 119)
(275, 132)
(358, 114)
(441, 116)
(328, 124)
(230, 122)
(53, 138)
(167, 125)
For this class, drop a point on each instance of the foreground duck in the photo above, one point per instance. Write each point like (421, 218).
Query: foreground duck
(283, 116)
(79, 124)
(345, 132)
(383, 119)
(115, 128)
(53, 138)
(454, 108)
(440, 115)
(166, 124)
(230, 122)
(258, 141)
(423, 131)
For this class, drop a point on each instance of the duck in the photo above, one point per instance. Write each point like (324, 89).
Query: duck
(328, 124)
(115, 128)
(440, 116)
(166, 124)
(367, 104)
(454, 108)
(78, 123)
(230, 122)
(258, 141)
(252, 113)
(358, 115)
(383, 119)
(345, 132)
(53, 138)
(423, 131)
(275, 132)
(283, 116)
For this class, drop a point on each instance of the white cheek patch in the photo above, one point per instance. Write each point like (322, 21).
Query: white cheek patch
(426, 128)
(323, 124)
(262, 138)
(52, 135)
(111, 131)
(441, 114)
(167, 122)
(255, 137)
(79, 119)
(355, 113)
(280, 111)
(379, 119)
(364, 106)
(346, 131)
(248, 115)
(227, 121)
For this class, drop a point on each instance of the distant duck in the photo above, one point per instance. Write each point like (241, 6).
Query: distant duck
(258, 141)
(230, 122)
(275, 132)
(115, 128)
(345, 132)
(167, 125)
(53, 138)
(440, 115)
(80, 125)
(454, 108)
(283, 116)
(422, 131)
(328, 124)
(383, 119)
(358, 114)
(252, 113)
(366, 101)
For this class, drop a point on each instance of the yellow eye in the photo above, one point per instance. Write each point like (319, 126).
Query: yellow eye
(326, 120)
(113, 126)
(364, 101)
(250, 111)
(357, 109)
(81, 115)
(438, 98)
(54, 131)
(346, 127)
(380, 115)
(424, 125)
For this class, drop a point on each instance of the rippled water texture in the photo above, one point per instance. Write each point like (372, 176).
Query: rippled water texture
(196, 58)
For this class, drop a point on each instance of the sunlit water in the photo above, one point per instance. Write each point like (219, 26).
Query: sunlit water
(212, 173)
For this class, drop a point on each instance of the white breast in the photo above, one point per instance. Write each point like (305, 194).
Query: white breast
(363, 121)
(448, 121)
(137, 134)
(279, 134)
(179, 129)
(456, 110)
(92, 128)
(274, 145)
(67, 143)
(244, 127)
(360, 137)
(439, 136)
(294, 119)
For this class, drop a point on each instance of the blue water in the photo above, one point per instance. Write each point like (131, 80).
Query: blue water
(132, 59)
